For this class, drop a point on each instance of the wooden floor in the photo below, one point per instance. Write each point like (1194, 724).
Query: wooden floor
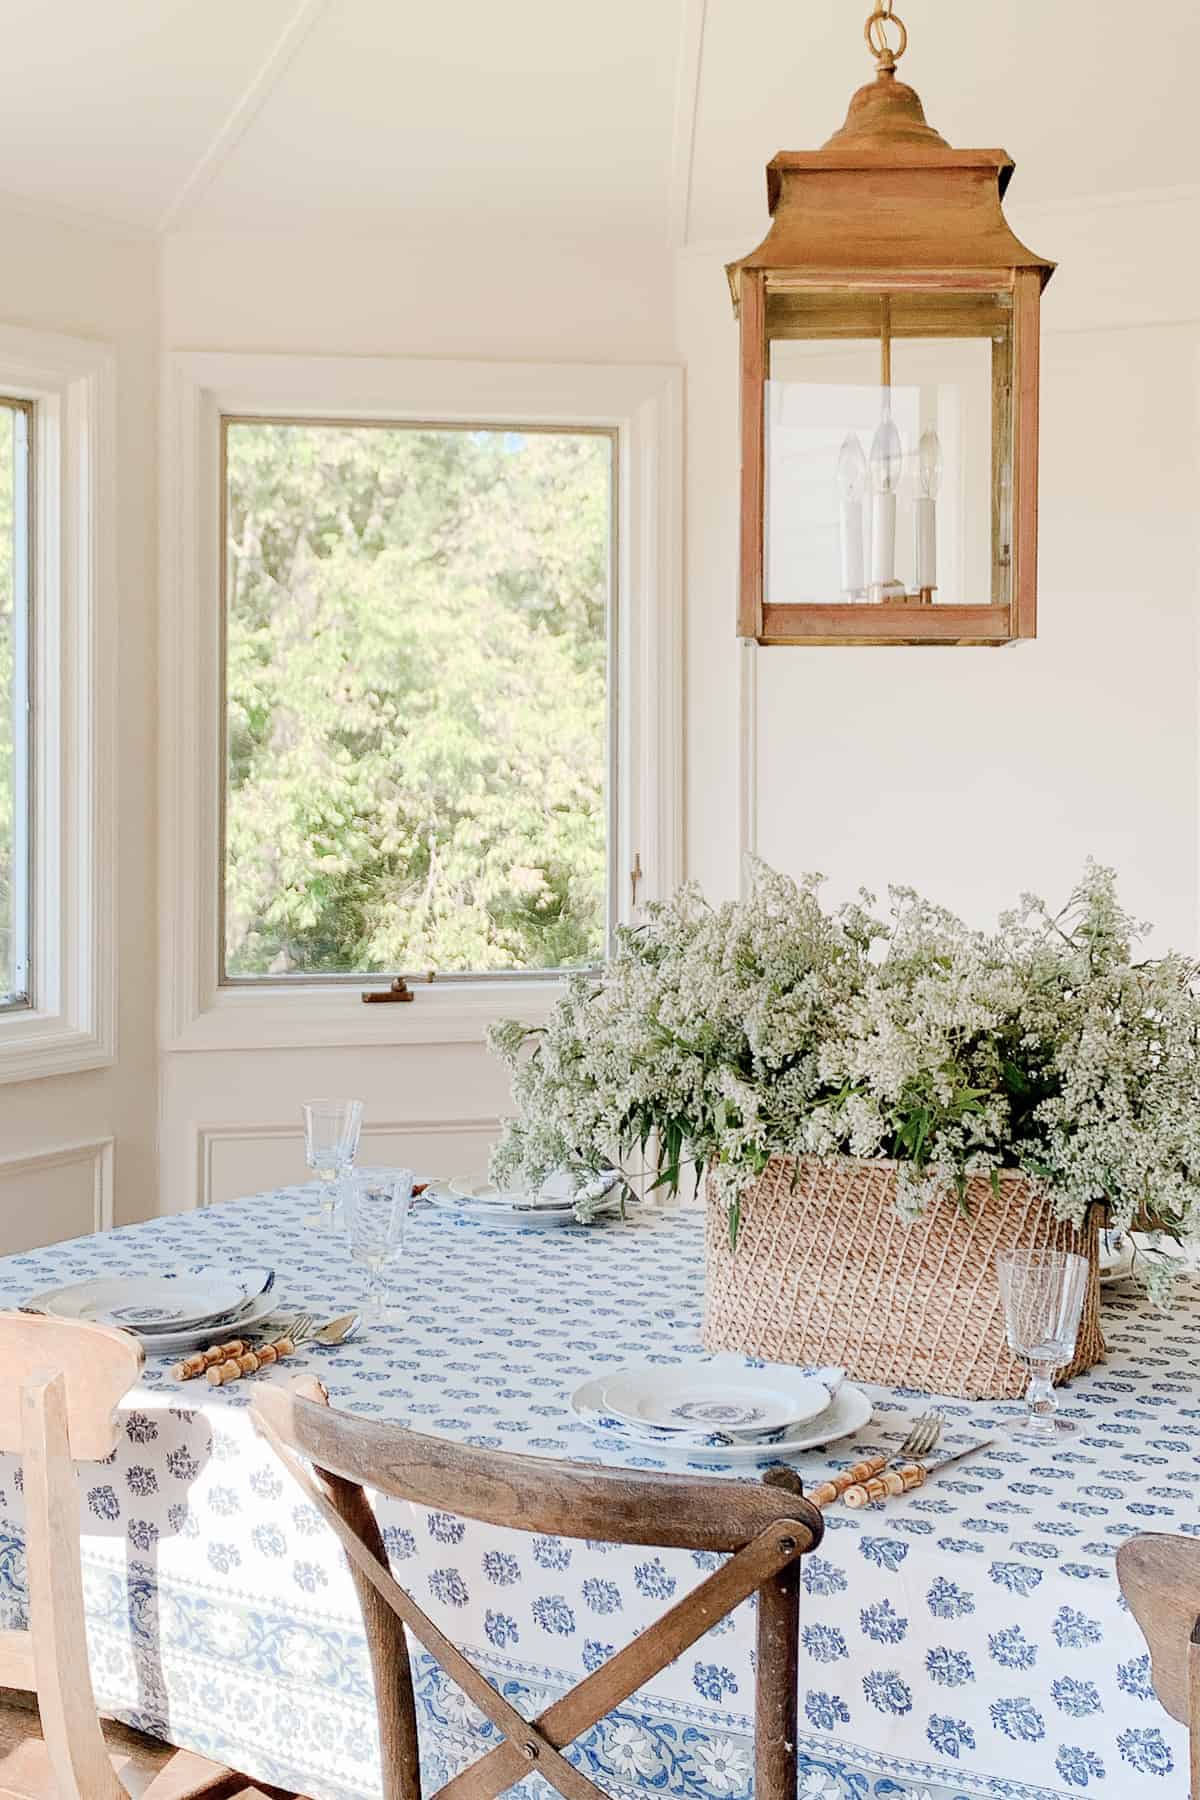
(145, 1768)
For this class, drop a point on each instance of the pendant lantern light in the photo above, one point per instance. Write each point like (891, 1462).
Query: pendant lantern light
(889, 387)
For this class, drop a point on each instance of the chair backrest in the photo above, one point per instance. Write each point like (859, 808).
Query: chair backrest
(764, 1529)
(1160, 1579)
(62, 1384)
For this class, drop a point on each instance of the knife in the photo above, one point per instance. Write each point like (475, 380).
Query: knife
(912, 1475)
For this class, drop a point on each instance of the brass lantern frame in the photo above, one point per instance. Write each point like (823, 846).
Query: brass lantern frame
(887, 209)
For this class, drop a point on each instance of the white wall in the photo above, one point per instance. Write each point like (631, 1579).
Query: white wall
(974, 773)
(601, 299)
(67, 1142)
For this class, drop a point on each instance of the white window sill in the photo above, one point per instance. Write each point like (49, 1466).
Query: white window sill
(326, 1017)
(34, 1044)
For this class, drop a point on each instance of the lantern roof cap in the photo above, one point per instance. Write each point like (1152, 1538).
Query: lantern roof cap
(887, 192)
(885, 128)
(886, 113)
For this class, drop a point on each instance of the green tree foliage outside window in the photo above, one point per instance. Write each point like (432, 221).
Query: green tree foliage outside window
(416, 698)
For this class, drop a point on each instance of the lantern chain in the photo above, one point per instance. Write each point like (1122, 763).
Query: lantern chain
(885, 56)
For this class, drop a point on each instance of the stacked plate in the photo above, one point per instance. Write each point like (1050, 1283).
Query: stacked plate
(556, 1203)
(722, 1411)
(1120, 1252)
(173, 1310)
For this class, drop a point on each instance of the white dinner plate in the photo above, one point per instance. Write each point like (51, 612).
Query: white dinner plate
(849, 1411)
(722, 1395)
(155, 1303)
(199, 1337)
(558, 1191)
(487, 1194)
(525, 1218)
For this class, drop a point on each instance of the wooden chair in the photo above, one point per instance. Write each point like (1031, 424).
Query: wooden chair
(60, 1388)
(1160, 1579)
(764, 1528)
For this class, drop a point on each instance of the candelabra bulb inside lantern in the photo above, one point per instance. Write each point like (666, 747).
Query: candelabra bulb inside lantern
(852, 469)
(929, 471)
(852, 486)
(887, 456)
(929, 462)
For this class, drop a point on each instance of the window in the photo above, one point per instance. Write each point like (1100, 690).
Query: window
(16, 622)
(418, 645)
(562, 468)
(57, 704)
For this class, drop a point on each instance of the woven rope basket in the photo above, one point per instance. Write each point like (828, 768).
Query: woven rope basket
(825, 1272)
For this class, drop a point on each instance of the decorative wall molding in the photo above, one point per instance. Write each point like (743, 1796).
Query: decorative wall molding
(206, 1137)
(98, 1152)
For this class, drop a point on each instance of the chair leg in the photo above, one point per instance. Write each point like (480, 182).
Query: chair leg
(387, 1644)
(776, 1695)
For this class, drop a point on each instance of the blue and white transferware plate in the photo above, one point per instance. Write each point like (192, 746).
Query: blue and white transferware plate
(722, 1395)
(151, 1304)
(850, 1411)
(255, 1315)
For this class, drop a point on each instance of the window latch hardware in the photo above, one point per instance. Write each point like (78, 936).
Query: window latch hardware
(399, 990)
(635, 879)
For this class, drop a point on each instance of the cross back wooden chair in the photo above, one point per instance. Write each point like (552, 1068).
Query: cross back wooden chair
(60, 1389)
(763, 1528)
(1160, 1579)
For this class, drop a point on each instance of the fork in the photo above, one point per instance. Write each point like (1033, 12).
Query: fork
(923, 1434)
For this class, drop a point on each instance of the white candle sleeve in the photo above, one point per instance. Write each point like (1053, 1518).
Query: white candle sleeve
(926, 514)
(883, 538)
(853, 568)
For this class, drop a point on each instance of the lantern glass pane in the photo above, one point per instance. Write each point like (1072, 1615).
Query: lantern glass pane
(888, 493)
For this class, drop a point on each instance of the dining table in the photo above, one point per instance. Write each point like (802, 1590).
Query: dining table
(967, 1639)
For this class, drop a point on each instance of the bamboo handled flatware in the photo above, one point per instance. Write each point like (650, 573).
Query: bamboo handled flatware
(222, 1363)
(882, 1477)
(904, 1480)
(922, 1436)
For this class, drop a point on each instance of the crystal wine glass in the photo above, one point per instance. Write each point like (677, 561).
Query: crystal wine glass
(331, 1129)
(1043, 1293)
(377, 1203)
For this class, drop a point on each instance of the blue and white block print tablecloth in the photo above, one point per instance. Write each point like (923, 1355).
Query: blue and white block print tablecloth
(968, 1640)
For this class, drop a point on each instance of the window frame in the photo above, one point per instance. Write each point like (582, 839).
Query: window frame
(361, 978)
(69, 1022)
(24, 996)
(642, 407)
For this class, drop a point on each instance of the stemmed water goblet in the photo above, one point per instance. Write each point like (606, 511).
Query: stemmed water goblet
(376, 1204)
(1043, 1293)
(331, 1131)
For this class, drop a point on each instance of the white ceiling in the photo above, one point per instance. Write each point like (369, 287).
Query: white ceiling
(650, 118)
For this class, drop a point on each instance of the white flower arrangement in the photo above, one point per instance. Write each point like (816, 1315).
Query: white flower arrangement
(718, 1037)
